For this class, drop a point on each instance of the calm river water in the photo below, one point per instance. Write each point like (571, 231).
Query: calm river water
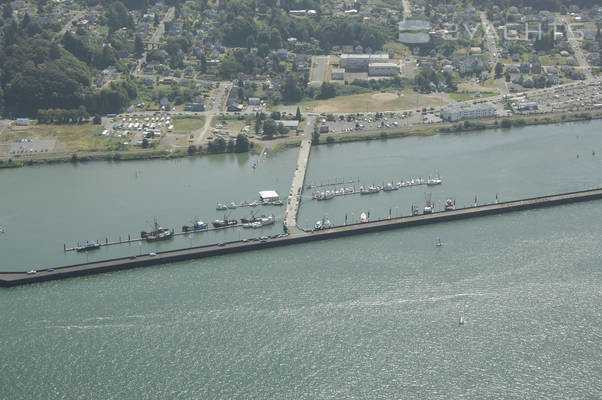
(366, 317)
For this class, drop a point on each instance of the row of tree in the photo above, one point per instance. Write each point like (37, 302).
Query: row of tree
(61, 116)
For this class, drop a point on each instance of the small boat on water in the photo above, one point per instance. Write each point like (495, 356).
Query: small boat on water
(326, 195)
(267, 220)
(88, 246)
(460, 320)
(389, 187)
(200, 225)
(1, 229)
(221, 206)
(434, 181)
(438, 242)
(159, 233)
(370, 189)
(322, 224)
(364, 217)
(220, 223)
(414, 210)
(428, 208)
(232, 205)
(253, 204)
(450, 205)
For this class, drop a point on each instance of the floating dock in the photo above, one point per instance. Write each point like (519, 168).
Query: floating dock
(8, 279)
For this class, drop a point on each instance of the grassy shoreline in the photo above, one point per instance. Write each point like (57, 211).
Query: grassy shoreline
(420, 130)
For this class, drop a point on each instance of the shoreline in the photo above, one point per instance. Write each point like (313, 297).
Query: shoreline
(417, 130)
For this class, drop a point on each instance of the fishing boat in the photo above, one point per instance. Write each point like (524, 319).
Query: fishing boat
(221, 206)
(460, 320)
(232, 205)
(200, 225)
(89, 246)
(389, 187)
(321, 224)
(369, 190)
(428, 208)
(277, 203)
(364, 217)
(414, 210)
(450, 205)
(326, 195)
(220, 223)
(158, 233)
(248, 220)
(438, 242)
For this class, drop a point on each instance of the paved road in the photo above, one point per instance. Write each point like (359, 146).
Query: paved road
(155, 37)
(320, 70)
(407, 9)
(69, 24)
(3, 124)
(576, 46)
(292, 206)
(493, 53)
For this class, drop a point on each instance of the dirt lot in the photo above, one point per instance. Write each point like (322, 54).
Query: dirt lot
(76, 137)
(373, 102)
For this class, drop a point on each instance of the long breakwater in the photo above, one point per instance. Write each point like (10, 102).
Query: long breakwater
(8, 279)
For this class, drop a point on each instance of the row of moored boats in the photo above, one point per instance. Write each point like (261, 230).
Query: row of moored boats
(388, 187)
(232, 205)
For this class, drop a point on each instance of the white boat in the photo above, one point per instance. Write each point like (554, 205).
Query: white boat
(438, 242)
(253, 204)
(434, 181)
(318, 225)
(364, 217)
(460, 320)
(450, 205)
(221, 206)
(256, 225)
(232, 205)
(267, 221)
(389, 187)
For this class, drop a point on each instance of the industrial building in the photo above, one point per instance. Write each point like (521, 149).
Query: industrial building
(360, 62)
(338, 74)
(383, 69)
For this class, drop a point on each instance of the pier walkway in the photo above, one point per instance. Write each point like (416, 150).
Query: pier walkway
(293, 201)
(21, 278)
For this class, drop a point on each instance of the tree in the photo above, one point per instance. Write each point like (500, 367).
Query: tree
(138, 46)
(7, 12)
(290, 92)
(203, 64)
(191, 149)
(283, 130)
(242, 143)
(507, 76)
(298, 115)
(97, 120)
(54, 52)
(315, 137)
(156, 22)
(499, 69)
(327, 91)
(269, 127)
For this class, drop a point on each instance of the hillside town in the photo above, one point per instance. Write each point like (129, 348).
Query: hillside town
(258, 69)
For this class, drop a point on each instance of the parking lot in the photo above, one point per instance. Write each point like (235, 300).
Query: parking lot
(577, 97)
(28, 146)
(379, 121)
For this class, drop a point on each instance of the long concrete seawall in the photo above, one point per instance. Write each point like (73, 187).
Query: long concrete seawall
(8, 279)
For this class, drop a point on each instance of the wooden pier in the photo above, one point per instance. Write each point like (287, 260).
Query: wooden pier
(298, 236)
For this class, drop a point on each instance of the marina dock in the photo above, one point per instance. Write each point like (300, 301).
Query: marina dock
(296, 236)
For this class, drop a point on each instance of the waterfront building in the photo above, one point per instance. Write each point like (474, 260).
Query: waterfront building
(467, 111)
